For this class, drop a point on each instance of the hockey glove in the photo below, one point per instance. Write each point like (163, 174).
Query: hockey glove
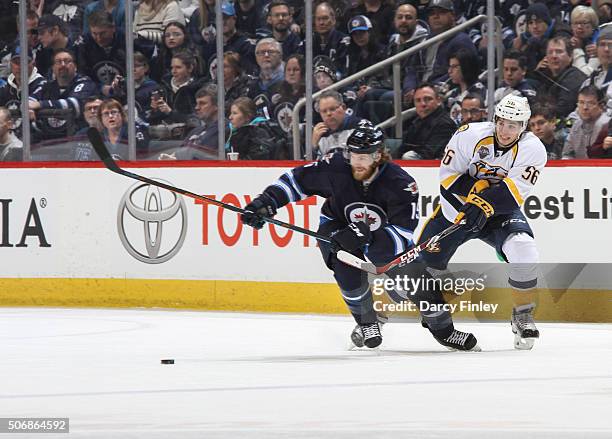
(261, 206)
(353, 237)
(476, 211)
(479, 186)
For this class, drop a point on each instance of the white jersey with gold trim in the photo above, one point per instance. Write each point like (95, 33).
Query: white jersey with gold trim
(472, 154)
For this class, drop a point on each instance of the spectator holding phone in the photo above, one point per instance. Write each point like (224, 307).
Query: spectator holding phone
(176, 103)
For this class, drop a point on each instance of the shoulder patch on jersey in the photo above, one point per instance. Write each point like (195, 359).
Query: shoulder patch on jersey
(412, 188)
(463, 127)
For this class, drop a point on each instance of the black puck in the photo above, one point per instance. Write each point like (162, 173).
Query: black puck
(167, 361)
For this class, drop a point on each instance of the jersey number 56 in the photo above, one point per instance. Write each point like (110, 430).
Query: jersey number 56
(531, 174)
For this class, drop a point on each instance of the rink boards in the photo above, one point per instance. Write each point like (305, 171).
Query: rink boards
(86, 237)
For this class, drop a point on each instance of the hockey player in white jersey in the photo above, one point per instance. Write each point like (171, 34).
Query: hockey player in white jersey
(487, 171)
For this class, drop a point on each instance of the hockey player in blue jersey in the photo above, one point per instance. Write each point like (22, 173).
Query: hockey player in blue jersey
(488, 170)
(370, 210)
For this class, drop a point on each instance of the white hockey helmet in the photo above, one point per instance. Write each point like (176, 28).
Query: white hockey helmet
(513, 107)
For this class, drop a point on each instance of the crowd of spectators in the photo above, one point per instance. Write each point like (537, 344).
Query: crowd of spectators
(557, 53)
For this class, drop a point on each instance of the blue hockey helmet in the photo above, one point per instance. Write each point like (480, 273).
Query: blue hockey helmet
(365, 139)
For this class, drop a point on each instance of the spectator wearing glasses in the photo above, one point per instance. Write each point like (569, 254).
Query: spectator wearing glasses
(473, 109)
(175, 39)
(585, 130)
(327, 41)
(67, 91)
(279, 19)
(264, 90)
(330, 135)
(584, 22)
(91, 108)
(113, 120)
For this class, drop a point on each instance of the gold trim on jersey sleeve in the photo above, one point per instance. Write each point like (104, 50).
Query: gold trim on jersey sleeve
(514, 190)
(448, 181)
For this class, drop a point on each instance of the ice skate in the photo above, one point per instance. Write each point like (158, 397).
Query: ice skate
(366, 335)
(460, 341)
(523, 327)
(357, 333)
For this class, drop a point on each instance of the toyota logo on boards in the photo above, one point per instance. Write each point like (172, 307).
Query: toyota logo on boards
(152, 223)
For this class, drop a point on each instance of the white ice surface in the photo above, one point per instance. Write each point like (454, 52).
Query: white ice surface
(291, 376)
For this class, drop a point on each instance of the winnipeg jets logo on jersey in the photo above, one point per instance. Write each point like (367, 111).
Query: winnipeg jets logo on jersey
(370, 213)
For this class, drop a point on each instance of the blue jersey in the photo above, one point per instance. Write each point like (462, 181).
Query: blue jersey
(389, 203)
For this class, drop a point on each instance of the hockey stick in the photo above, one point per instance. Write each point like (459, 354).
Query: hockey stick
(98, 143)
(401, 260)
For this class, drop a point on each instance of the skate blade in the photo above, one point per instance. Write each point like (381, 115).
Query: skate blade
(364, 348)
(523, 344)
(476, 348)
(353, 347)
